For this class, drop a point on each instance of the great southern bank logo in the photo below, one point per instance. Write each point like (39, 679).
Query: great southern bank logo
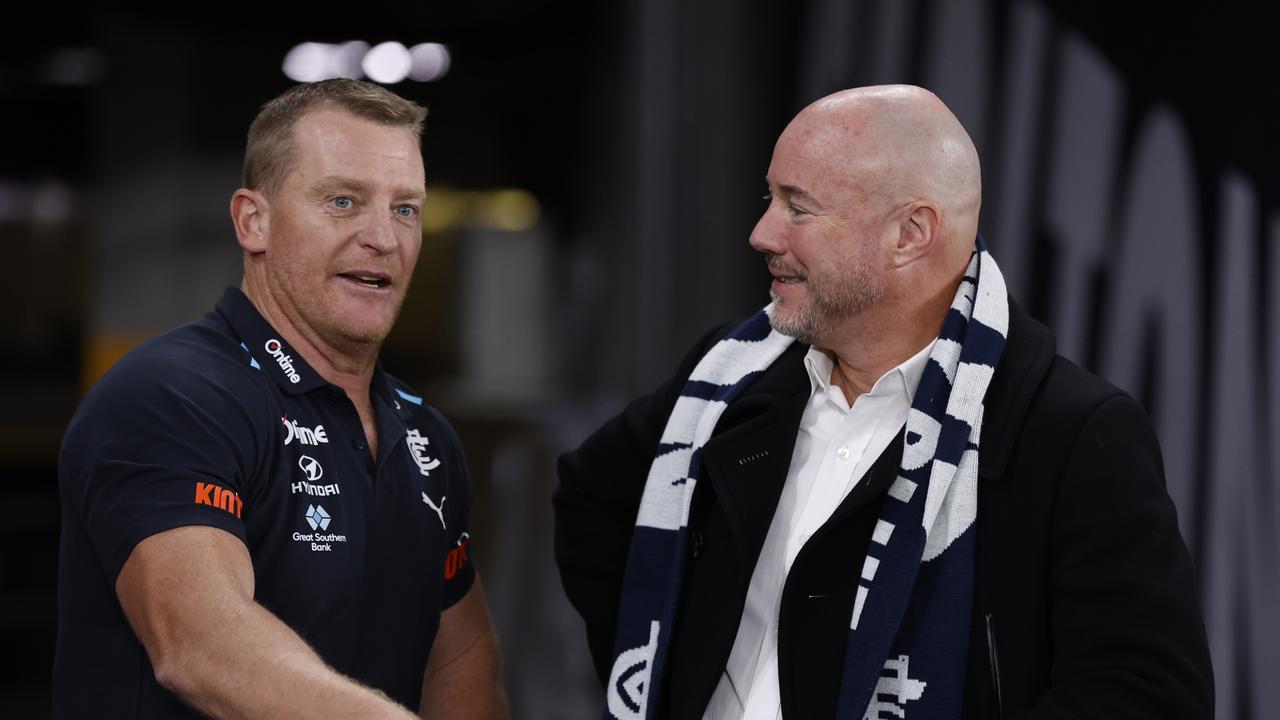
(318, 540)
(317, 518)
(276, 350)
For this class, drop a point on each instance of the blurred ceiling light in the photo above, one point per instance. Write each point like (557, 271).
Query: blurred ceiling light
(307, 62)
(347, 59)
(50, 203)
(510, 209)
(312, 61)
(46, 204)
(12, 202)
(387, 63)
(73, 67)
(444, 209)
(513, 210)
(430, 62)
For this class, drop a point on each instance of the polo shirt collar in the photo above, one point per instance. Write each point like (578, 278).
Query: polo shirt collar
(266, 346)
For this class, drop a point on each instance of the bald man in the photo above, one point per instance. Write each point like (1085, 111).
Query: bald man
(884, 496)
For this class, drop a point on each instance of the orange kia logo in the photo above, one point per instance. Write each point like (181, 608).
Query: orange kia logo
(214, 496)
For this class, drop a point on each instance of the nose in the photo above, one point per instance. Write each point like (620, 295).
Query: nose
(766, 236)
(380, 234)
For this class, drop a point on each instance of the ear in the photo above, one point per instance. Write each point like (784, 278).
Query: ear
(249, 214)
(921, 224)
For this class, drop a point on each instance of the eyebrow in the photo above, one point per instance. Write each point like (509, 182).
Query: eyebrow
(798, 194)
(334, 183)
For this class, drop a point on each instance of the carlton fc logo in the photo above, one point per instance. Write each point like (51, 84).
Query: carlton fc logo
(627, 695)
(417, 443)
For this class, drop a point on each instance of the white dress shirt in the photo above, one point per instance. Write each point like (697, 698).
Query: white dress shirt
(835, 447)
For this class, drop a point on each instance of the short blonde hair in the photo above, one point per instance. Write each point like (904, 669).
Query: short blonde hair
(269, 151)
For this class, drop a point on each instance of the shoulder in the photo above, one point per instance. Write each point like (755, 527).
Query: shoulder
(1070, 390)
(193, 378)
(1040, 403)
(1072, 399)
(198, 358)
(1078, 425)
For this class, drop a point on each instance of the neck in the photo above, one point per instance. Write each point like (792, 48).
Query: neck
(349, 366)
(879, 339)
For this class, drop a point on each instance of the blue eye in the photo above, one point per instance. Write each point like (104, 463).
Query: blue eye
(342, 203)
(406, 211)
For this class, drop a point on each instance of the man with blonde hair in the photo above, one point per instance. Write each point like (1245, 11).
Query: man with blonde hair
(884, 496)
(258, 521)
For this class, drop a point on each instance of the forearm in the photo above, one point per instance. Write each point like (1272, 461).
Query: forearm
(470, 687)
(254, 666)
(463, 678)
(188, 594)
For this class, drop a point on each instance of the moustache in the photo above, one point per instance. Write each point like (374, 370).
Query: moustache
(773, 262)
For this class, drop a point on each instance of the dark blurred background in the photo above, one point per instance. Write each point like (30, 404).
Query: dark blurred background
(594, 171)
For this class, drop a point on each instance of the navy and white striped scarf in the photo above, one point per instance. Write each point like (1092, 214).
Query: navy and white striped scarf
(909, 634)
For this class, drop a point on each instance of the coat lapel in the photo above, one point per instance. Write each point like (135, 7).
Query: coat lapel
(747, 459)
(744, 466)
(870, 486)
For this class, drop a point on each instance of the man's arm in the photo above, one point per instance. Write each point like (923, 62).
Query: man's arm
(188, 594)
(1128, 636)
(463, 677)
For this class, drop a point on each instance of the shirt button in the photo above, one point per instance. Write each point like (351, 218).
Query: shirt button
(358, 444)
(843, 453)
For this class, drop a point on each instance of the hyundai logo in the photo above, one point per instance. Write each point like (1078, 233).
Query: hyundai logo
(311, 468)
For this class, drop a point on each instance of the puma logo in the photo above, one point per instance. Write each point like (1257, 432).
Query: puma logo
(438, 508)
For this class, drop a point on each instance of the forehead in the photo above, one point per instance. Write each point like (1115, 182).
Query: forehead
(334, 142)
(825, 159)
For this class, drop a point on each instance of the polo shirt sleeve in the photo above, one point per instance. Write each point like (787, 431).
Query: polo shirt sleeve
(162, 442)
(459, 569)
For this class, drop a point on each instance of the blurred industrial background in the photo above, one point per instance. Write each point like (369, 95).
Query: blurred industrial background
(594, 171)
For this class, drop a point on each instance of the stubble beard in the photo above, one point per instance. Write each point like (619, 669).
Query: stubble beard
(357, 332)
(313, 307)
(830, 300)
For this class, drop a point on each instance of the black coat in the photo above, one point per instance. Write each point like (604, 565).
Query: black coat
(1085, 603)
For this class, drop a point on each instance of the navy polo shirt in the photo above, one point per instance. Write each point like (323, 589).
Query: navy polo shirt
(221, 423)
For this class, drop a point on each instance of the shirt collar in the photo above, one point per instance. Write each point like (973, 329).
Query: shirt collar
(266, 346)
(903, 378)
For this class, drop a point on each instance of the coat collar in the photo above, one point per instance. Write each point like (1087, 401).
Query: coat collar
(748, 457)
(1029, 350)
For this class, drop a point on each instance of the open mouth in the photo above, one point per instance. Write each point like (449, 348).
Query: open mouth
(369, 280)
